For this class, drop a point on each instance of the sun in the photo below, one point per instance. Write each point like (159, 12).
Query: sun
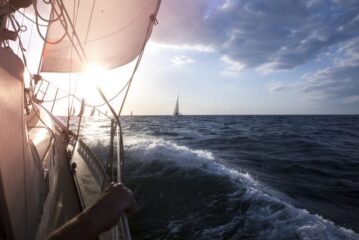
(93, 77)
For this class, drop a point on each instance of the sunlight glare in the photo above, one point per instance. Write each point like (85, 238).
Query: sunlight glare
(92, 78)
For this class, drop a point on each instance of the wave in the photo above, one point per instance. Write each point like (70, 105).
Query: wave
(191, 194)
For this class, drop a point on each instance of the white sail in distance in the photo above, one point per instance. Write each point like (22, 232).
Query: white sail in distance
(176, 110)
(106, 32)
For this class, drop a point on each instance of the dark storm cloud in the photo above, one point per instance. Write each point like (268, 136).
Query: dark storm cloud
(273, 35)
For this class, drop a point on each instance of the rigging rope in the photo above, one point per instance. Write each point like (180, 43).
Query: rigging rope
(83, 58)
(87, 104)
(30, 19)
(68, 96)
(15, 24)
(117, 116)
(28, 45)
(63, 23)
(152, 22)
(50, 20)
(69, 108)
(22, 24)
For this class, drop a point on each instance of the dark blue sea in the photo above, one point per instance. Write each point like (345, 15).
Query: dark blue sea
(239, 177)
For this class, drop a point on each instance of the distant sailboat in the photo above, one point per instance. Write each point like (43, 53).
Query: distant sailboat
(176, 110)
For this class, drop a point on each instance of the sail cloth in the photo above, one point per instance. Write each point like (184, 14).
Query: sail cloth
(176, 110)
(111, 32)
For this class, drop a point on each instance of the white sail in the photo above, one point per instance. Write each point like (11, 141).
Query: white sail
(111, 32)
(176, 110)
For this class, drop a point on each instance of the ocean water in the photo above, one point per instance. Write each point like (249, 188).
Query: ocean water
(239, 177)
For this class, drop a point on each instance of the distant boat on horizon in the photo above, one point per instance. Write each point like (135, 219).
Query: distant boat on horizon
(176, 110)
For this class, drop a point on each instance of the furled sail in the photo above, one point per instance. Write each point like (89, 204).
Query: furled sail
(106, 32)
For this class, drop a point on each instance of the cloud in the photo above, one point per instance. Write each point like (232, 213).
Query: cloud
(268, 35)
(277, 88)
(336, 82)
(339, 81)
(352, 99)
(347, 53)
(181, 60)
(198, 48)
(234, 67)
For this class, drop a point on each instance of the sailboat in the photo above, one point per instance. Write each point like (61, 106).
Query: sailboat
(176, 112)
(47, 173)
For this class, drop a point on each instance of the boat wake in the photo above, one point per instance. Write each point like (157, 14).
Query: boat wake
(189, 194)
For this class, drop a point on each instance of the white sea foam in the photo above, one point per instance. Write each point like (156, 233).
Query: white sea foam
(273, 216)
(147, 149)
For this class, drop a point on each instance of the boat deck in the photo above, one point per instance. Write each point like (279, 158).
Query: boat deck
(62, 202)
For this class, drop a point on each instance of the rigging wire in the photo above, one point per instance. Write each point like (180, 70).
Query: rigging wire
(63, 23)
(22, 24)
(117, 116)
(30, 19)
(85, 60)
(88, 26)
(68, 96)
(69, 109)
(30, 38)
(49, 20)
(152, 22)
(87, 104)
(14, 24)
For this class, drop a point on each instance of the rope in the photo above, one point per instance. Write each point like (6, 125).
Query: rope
(14, 23)
(22, 24)
(30, 19)
(149, 29)
(50, 20)
(86, 104)
(128, 84)
(85, 60)
(74, 97)
(70, 83)
(28, 45)
(63, 23)
(117, 116)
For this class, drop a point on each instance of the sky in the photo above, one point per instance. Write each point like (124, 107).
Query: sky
(249, 57)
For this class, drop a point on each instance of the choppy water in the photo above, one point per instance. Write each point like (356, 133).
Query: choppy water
(239, 177)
